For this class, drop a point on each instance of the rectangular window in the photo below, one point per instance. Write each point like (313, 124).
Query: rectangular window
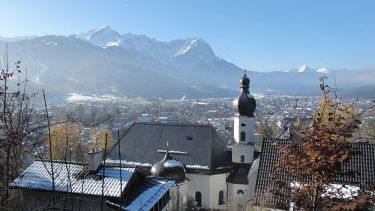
(243, 136)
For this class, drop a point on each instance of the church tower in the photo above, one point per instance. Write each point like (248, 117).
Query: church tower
(244, 124)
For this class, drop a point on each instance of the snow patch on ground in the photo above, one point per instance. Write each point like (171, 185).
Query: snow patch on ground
(52, 43)
(76, 97)
(113, 44)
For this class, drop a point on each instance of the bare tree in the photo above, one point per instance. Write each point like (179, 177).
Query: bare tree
(17, 129)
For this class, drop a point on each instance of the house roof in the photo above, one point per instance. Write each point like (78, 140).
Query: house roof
(144, 194)
(73, 178)
(363, 163)
(201, 146)
(140, 193)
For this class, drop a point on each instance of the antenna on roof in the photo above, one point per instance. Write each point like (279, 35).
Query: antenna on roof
(244, 71)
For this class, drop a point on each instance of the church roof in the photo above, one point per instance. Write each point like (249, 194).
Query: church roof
(199, 146)
(363, 163)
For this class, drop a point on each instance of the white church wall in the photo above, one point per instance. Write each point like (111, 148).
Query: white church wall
(218, 183)
(200, 183)
(245, 124)
(238, 196)
(210, 187)
(239, 192)
(247, 151)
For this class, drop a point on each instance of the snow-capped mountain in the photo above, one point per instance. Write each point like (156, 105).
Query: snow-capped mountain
(65, 64)
(181, 55)
(168, 51)
(306, 69)
(103, 61)
(103, 36)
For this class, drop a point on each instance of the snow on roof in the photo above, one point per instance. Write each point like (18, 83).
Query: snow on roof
(173, 163)
(341, 191)
(336, 190)
(38, 176)
(148, 193)
(129, 163)
(151, 196)
(172, 152)
(197, 167)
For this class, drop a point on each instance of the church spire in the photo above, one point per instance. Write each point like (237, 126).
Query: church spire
(244, 124)
(245, 82)
(245, 104)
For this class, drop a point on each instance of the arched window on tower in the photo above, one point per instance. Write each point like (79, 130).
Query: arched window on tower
(242, 158)
(221, 197)
(198, 198)
(240, 192)
(243, 136)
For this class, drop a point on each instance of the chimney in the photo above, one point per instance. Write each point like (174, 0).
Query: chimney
(95, 159)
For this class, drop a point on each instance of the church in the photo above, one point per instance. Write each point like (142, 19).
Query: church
(155, 166)
(212, 174)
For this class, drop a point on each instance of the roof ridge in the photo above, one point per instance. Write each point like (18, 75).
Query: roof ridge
(63, 162)
(173, 124)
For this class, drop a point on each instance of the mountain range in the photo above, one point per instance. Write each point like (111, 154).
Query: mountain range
(103, 61)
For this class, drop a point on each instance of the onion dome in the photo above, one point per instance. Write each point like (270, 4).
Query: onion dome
(245, 104)
(169, 168)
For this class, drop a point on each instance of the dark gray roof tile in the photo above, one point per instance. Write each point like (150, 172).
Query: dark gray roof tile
(201, 143)
(363, 163)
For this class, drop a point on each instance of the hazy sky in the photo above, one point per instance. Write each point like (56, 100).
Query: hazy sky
(258, 35)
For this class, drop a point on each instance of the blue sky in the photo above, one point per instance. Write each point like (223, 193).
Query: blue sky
(261, 35)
